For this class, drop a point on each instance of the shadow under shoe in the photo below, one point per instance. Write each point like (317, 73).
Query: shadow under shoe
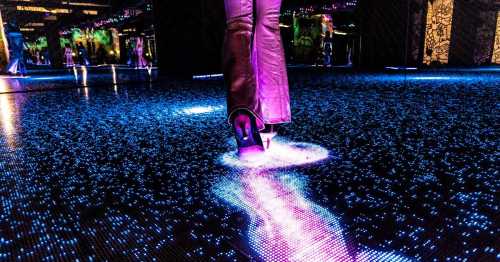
(247, 135)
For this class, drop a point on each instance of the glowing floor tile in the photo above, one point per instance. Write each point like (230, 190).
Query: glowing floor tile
(14, 77)
(198, 110)
(281, 153)
(431, 78)
(285, 225)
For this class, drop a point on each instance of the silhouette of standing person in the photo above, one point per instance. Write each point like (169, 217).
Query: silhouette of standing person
(15, 39)
(68, 55)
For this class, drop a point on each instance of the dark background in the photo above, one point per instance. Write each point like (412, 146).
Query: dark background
(391, 33)
(191, 34)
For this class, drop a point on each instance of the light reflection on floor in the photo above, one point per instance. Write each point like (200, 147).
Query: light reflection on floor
(282, 153)
(7, 118)
(7, 115)
(285, 225)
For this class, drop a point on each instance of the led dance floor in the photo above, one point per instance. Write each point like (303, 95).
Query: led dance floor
(374, 167)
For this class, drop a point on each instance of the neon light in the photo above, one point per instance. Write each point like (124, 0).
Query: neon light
(41, 9)
(90, 12)
(197, 110)
(49, 78)
(337, 32)
(285, 225)
(14, 77)
(400, 68)
(84, 76)
(34, 24)
(4, 46)
(113, 70)
(85, 4)
(431, 78)
(75, 73)
(208, 76)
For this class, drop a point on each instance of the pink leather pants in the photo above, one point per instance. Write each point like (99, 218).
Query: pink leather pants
(254, 61)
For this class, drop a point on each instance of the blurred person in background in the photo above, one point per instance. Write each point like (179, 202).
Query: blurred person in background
(68, 55)
(15, 39)
(83, 56)
(139, 53)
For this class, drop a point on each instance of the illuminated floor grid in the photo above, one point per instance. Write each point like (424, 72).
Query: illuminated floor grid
(373, 168)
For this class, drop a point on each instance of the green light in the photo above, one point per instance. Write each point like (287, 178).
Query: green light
(102, 37)
(41, 43)
(63, 41)
(76, 34)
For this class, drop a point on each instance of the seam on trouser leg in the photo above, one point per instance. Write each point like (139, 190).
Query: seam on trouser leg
(257, 117)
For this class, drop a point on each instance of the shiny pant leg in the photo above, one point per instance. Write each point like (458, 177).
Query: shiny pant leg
(270, 64)
(254, 63)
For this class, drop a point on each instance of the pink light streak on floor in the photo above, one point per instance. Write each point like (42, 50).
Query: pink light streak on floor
(285, 227)
(284, 224)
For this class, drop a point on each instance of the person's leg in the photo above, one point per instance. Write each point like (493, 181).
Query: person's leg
(242, 101)
(269, 60)
(239, 73)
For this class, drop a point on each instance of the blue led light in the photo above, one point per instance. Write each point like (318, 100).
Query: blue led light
(127, 174)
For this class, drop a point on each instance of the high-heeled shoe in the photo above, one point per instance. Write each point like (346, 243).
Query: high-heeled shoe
(247, 135)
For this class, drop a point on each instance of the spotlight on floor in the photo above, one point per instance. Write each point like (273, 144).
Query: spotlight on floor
(281, 153)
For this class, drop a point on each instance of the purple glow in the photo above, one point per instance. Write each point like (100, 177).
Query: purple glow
(285, 225)
(281, 153)
(400, 68)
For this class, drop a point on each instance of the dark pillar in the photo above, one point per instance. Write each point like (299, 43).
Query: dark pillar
(486, 31)
(473, 32)
(416, 32)
(54, 47)
(384, 30)
(189, 36)
(463, 31)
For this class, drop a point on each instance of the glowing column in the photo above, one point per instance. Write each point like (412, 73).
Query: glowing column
(438, 31)
(495, 58)
(115, 36)
(4, 50)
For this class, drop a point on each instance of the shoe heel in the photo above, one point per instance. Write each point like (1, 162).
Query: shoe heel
(246, 133)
